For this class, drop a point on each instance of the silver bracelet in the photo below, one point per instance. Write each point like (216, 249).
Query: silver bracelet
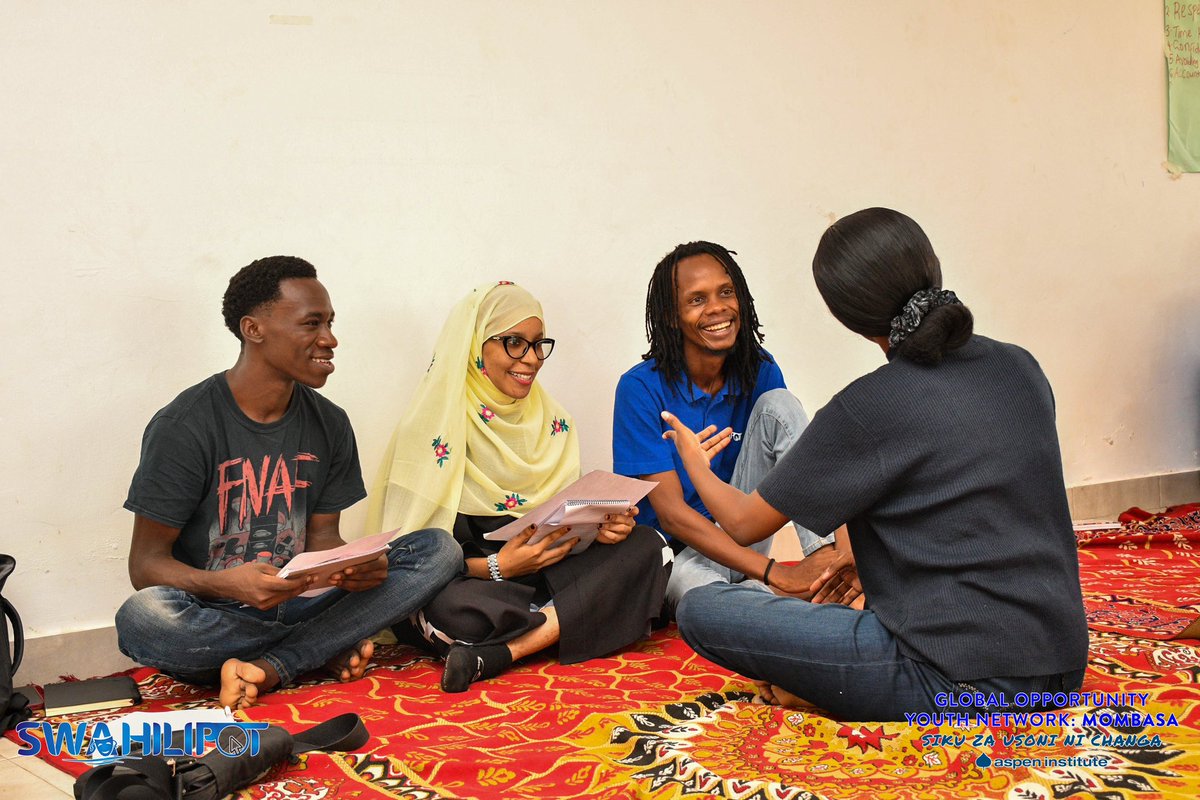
(494, 567)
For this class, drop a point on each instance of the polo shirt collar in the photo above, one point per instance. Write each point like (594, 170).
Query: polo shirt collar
(695, 394)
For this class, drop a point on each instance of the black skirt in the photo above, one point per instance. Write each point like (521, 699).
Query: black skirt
(605, 596)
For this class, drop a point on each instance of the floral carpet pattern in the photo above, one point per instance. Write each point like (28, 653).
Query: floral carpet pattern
(658, 721)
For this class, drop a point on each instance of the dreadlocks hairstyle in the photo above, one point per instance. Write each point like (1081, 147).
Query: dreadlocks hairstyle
(662, 321)
(257, 284)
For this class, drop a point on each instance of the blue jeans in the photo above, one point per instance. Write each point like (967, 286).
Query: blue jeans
(835, 657)
(775, 423)
(190, 638)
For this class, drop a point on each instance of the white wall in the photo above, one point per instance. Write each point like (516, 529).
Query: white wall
(410, 150)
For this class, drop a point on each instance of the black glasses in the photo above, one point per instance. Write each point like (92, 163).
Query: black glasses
(518, 346)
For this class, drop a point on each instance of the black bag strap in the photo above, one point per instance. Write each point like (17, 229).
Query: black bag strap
(18, 641)
(339, 734)
(155, 778)
(216, 775)
(7, 565)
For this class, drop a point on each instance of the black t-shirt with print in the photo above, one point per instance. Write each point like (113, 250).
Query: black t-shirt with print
(240, 490)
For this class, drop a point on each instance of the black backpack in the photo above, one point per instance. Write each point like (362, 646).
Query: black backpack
(12, 707)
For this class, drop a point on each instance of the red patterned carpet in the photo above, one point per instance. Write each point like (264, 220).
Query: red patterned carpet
(660, 722)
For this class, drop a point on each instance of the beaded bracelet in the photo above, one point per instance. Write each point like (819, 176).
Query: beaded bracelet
(494, 567)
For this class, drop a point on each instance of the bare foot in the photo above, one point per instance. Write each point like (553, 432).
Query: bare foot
(764, 692)
(773, 695)
(788, 700)
(352, 664)
(243, 681)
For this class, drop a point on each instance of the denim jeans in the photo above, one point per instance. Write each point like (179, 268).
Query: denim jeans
(190, 638)
(775, 423)
(835, 657)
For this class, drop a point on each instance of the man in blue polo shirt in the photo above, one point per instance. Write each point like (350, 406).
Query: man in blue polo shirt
(707, 366)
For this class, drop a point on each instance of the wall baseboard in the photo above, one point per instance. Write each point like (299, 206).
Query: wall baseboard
(1151, 492)
(84, 654)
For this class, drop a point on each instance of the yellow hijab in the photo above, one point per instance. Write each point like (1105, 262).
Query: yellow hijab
(464, 446)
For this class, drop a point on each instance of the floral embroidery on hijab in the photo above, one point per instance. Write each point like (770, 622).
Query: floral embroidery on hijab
(485, 413)
(440, 451)
(511, 501)
(558, 426)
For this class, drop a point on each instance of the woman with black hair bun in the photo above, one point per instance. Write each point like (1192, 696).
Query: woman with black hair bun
(944, 464)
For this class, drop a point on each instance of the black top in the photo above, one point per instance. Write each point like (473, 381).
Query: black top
(241, 490)
(950, 480)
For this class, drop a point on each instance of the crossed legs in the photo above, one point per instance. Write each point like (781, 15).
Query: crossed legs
(248, 652)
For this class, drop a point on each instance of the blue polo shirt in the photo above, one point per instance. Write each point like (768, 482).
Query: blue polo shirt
(638, 446)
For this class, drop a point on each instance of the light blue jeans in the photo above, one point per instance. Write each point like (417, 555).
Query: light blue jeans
(190, 638)
(833, 656)
(776, 422)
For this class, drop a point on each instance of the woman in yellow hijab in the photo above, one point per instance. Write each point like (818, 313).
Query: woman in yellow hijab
(483, 443)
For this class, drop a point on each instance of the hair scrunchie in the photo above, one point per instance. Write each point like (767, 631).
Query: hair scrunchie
(920, 304)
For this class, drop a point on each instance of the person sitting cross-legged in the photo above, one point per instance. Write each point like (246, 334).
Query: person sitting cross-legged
(707, 365)
(482, 444)
(238, 474)
(944, 465)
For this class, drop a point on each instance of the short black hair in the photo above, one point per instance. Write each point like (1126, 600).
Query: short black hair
(257, 284)
(867, 267)
(662, 318)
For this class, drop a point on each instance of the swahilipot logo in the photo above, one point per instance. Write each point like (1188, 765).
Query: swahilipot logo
(100, 743)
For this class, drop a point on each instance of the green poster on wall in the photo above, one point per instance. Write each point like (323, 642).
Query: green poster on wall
(1182, 24)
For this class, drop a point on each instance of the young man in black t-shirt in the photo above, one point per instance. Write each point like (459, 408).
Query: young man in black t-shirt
(238, 474)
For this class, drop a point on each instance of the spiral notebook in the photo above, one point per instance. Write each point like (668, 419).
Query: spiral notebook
(574, 512)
